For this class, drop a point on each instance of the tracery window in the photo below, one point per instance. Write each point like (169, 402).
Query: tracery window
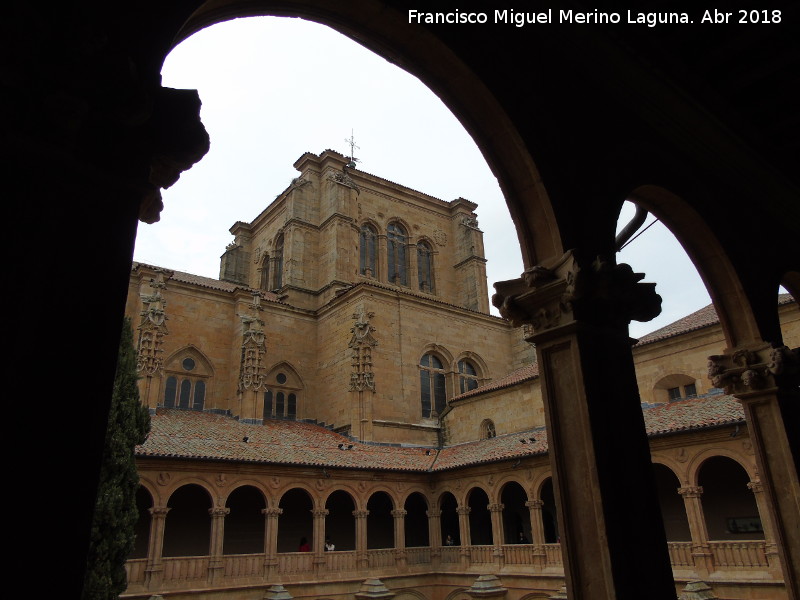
(265, 273)
(397, 257)
(487, 430)
(278, 262)
(279, 403)
(185, 386)
(425, 267)
(433, 391)
(467, 376)
(367, 245)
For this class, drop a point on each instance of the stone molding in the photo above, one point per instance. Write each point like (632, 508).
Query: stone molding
(152, 328)
(741, 371)
(691, 491)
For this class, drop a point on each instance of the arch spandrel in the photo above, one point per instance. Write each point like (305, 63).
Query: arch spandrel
(697, 462)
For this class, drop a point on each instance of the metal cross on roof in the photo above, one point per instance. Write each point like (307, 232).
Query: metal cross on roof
(352, 143)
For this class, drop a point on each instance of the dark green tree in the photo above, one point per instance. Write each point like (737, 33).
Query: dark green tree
(115, 510)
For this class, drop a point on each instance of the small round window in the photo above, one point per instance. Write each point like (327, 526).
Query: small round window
(188, 364)
(281, 378)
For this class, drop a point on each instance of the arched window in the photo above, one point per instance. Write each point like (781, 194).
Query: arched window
(281, 396)
(467, 376)
(396, 255)
(432, 386)
(367, 241)
(425, 267)
(278, 282)
(487, 430)
(265, 273)
(185, 391)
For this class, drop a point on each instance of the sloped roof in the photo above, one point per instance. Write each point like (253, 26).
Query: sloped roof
(526, 373)
(194, 435)
(206, 282)
(705, 317)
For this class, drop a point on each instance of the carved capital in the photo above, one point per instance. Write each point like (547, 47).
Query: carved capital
(495, 507)
(320, 513)
(399, 513)
(360, 514)
(562, 291)
(535, 504)
(463, 510)
(159, 511)
(755, 486)
(219, 511)
(755, 368)
(691, 491)
(433, 514)
(272, 513)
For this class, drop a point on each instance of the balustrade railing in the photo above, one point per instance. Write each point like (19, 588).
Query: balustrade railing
(741, 555)
(180, 572)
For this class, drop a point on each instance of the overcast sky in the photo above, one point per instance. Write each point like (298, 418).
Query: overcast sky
(274, 88)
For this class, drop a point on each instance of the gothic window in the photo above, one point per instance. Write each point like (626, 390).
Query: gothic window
(185, 386)
(265, 273)
(367, 252)
(487, 430)
(278, 262)
(280, 399)
(397, 258)
(425, 267)
(432, 386)
(467, 376)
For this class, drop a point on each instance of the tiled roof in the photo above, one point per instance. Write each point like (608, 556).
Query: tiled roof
(207, 282)
(204, 436)
(526, 373)
(704, 317)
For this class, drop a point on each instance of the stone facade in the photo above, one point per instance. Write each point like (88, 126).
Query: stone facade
(289, 402)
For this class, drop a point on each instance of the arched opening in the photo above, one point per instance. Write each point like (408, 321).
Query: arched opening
(549, 513)
(296, 521)
(673, 511)
(449, 520)
(480, 520)
(729, 507)
(244, 524)
(340, 524)
(187, 531)
(380, 522)
(416, 521)
(141, 531)
(516, 516)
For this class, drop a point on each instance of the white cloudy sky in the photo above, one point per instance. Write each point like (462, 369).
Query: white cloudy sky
(273, 89)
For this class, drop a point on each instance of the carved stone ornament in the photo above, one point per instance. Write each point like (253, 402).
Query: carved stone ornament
(344, 179)
(252, 372)
(163, 478)
(440, 237)
(691, 491)
(681, 455)
(361, 344)
(221, 480)
(152, 328)
(561, 291)
(470, 221)
(744, 370)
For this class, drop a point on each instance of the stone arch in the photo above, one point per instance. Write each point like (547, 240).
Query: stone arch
(417, 532)
(678, 466)
(369, 251)
(550, 517)
(487, 429)
(729, 506)
(408, 594)
(187, 530)
(516, 515)
(480, 519)
(296, 521)
(458, 594)
(673, 511)
(144, 503)
(340, 523)
(447, 503)
(380, 521)
(244, 524)
(698, 459)
(173, 486)
(251, 482)
(791, 281)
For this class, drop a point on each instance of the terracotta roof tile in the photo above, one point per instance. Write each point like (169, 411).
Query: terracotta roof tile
(704, 317)
(526, 373)
(204, 436)
(206, 282)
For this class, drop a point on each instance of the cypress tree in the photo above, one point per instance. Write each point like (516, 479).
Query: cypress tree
(115, 513)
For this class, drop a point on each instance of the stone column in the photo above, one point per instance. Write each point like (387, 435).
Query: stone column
(361, 537)
(215, 565)
(318, 541)
(537, 532)
(767, 382)
(579, 306)
(155, 567)
(770, 547)
(496, 512)
(701, 553)
(435, 533)
(463, 530)
(271, 540)
(400, 536)
(381, 259)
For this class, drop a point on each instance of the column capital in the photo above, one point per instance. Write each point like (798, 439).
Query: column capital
(755, 486)
(273, 512)
(318, 513)
(219, 511)
(399, 513)
(159, 511)
(745, 370)
(535, 504)
(433, 513)
(561, 291)
(463, 510)
(495, 507)
(360, 514)
(691, 491)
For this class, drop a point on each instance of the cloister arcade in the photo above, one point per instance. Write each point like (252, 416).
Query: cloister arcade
(217, 525)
